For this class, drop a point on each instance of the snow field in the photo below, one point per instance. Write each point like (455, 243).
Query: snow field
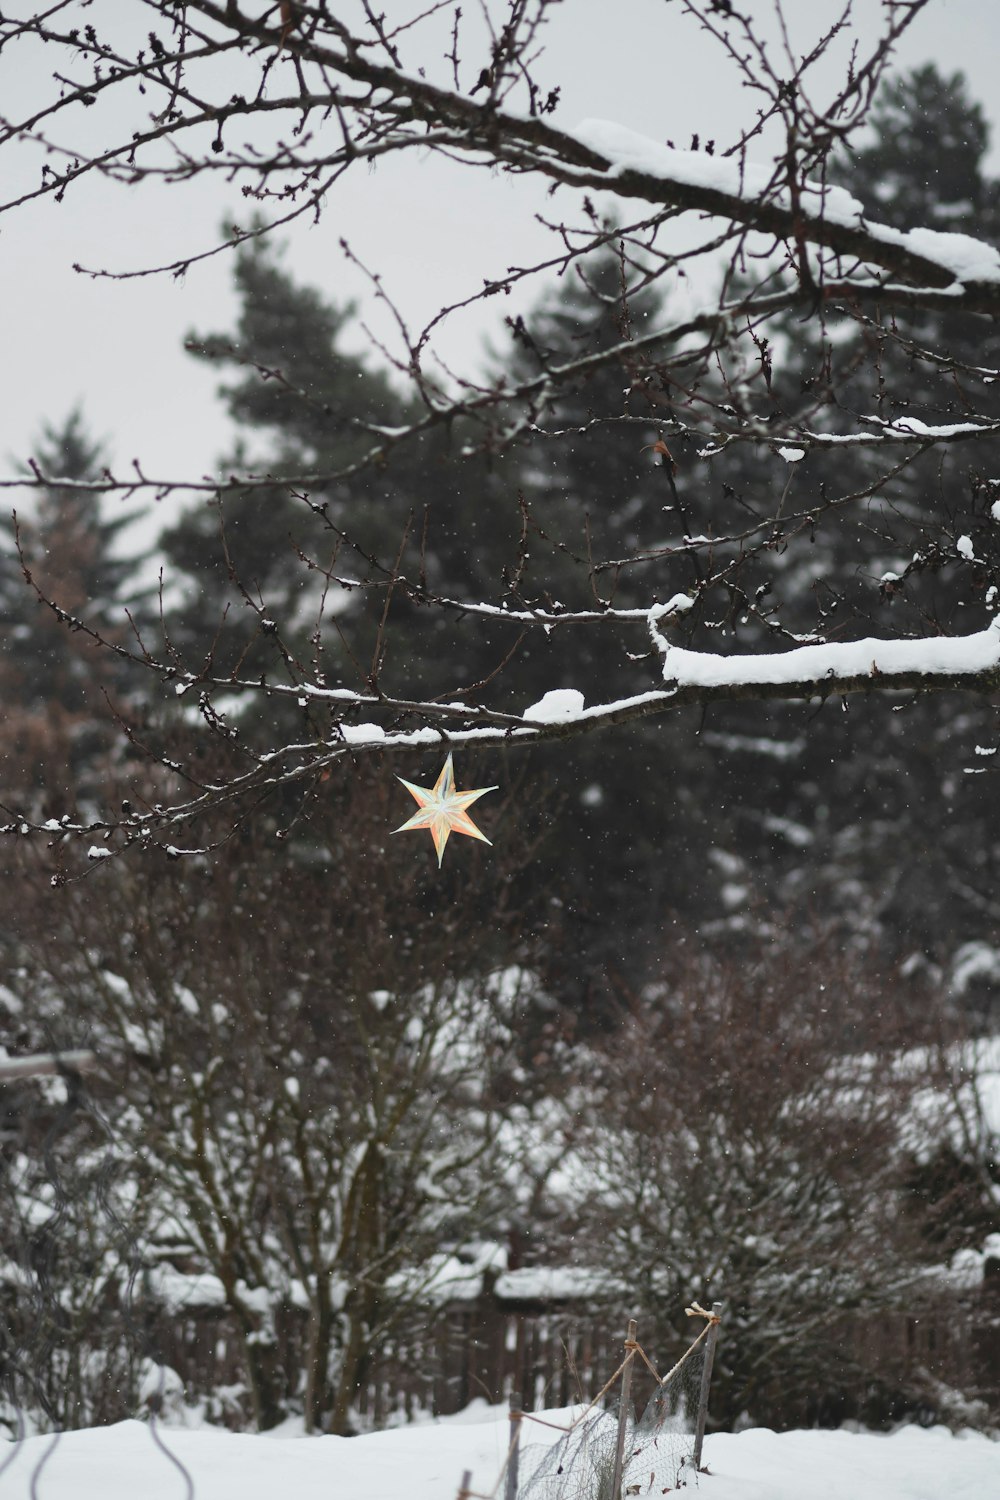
(426, 1462)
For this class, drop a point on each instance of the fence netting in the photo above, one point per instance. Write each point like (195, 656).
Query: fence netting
(658, 1448)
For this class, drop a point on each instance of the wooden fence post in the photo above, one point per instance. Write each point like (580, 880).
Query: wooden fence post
(626, 1391)
(513, 1452)
(711, 1339)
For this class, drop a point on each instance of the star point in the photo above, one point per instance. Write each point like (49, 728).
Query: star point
(441, 809)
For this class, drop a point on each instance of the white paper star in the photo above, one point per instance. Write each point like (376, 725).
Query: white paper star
(442, 809)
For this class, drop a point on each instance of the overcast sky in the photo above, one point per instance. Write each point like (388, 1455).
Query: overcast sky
(430, 229)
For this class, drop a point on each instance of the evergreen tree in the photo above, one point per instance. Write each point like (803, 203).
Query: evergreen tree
(922, 164)
(901, 847)
(586, 502)
(632, 818)
(900, 842)
(304, 397)
(923, 158)
(56, 684)
(303, 403)
(601, 514)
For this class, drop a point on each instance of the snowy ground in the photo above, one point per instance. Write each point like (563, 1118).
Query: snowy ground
(427, 1463)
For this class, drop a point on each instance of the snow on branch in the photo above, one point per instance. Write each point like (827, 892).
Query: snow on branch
(836, 667)
(824, 215)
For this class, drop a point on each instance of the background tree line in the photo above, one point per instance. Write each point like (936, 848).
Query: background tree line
(869, 816)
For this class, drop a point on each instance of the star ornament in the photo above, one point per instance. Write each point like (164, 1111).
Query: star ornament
(442, 810)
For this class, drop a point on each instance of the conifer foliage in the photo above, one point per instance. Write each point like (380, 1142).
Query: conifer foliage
(60, 689)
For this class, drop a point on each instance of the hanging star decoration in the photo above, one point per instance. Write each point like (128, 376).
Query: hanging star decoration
(441, 809)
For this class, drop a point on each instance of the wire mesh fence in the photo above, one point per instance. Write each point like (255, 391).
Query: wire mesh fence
(608, 1451)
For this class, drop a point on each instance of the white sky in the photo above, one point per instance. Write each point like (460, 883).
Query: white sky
(431, 229)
